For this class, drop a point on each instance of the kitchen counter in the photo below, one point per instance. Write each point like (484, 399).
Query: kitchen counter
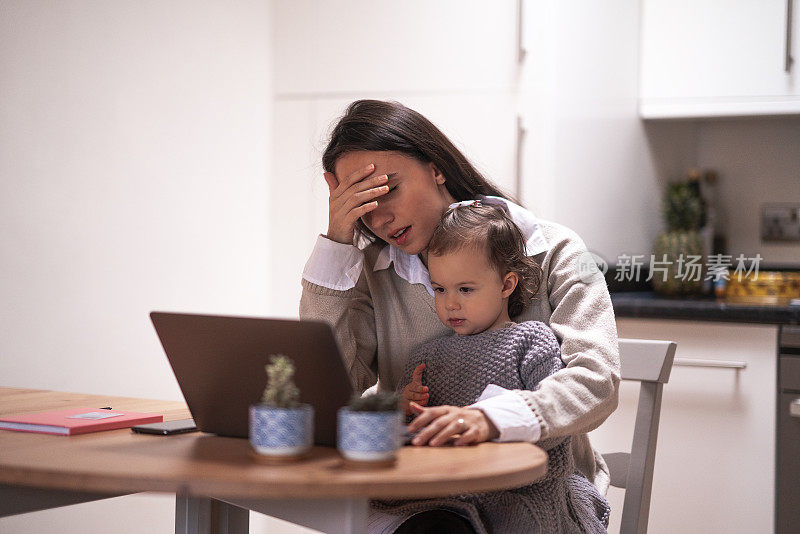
(648, 305)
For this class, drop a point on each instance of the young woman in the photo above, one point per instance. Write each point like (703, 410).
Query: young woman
(392, 175)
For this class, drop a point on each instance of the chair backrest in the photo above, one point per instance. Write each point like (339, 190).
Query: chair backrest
(649, 362)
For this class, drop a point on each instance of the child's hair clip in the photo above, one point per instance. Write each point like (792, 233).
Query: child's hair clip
(480, 202)
(477, 203)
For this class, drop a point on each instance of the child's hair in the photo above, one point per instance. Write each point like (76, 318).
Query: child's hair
(489, 228)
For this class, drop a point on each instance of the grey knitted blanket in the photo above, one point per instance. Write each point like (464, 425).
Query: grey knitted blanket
(458, 368)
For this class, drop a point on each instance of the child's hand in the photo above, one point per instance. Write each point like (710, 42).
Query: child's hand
(415, 391)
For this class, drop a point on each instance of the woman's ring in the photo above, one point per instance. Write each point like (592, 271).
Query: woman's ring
(460, 422)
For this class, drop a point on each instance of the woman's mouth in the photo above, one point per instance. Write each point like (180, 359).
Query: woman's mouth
(401, 236)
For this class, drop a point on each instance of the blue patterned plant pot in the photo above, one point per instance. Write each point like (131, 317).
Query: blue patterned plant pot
(281, 431)
(369, 436)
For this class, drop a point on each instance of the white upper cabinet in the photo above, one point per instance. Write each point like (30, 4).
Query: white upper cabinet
(330, 48)
(705, 58)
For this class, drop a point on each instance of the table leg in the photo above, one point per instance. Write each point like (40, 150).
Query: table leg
(332, 516)
(201, 515)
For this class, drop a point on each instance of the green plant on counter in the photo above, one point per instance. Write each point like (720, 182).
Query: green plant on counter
(379, 402)
(681, 207)
(683, 213)
(281, 391)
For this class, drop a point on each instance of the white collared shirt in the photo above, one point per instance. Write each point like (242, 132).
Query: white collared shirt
(337, 266)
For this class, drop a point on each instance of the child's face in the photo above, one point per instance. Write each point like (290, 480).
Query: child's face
(471, 296)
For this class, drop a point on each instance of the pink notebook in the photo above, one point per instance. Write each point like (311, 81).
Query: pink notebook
(76, 421)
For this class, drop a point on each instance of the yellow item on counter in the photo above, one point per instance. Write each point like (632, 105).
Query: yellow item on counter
(764, 287)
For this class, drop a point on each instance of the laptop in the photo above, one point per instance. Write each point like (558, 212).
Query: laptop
(219, 362)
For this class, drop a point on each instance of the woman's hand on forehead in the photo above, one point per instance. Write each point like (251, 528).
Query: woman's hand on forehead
(350, 199)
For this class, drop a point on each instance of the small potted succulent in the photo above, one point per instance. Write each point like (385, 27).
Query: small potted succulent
(369, 429)
(281, 427)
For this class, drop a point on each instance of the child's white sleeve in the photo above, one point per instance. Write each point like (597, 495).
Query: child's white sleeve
(509, 413)
(334, 265)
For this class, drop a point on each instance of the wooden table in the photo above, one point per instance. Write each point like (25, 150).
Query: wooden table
(215, 480)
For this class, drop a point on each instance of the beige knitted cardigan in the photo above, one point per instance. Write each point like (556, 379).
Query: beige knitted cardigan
(382, 319)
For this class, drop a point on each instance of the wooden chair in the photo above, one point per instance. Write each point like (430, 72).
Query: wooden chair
(648, 362)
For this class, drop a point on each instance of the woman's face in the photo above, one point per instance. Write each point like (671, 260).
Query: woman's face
(407, 215)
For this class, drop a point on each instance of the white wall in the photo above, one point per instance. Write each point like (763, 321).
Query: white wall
(134, 141)
(588, 162)
(133, 156)
(758, 161)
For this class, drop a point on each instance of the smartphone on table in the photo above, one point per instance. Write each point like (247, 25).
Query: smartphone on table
(167, 428)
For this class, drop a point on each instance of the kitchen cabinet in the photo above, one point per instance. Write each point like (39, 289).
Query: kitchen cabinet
(715, 457)
(381, 46)
(718, 58)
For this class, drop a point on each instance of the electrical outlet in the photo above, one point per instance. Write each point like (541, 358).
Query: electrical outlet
(780, 222)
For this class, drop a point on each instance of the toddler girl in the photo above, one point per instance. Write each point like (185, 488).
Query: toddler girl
(482, 276)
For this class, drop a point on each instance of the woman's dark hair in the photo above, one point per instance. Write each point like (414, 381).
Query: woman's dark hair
(382, 126)
(489, 228)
